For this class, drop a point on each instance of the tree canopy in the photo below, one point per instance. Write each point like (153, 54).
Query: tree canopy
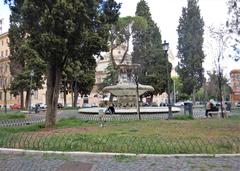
(64, 31)
(22, 57)
(212, 88)
(147, 52)
(190, 48)
(233, 24)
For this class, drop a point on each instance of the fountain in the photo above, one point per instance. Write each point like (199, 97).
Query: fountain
(125, 90)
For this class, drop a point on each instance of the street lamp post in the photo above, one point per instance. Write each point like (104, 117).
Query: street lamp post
(165, 49)
(30, 97)
(137, 96)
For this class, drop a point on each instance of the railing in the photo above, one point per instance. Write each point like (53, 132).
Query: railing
(21, 122)
(121, 144)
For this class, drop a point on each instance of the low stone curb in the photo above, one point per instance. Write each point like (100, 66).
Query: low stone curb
(72, 154)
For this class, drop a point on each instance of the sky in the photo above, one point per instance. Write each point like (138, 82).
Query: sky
(166, 14)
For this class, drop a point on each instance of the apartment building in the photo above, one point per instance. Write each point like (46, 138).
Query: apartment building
(235, 84)
(39, 96)
(5, 76)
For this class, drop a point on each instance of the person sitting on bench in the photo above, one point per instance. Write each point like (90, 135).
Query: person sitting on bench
(110, 109)
(211, 106)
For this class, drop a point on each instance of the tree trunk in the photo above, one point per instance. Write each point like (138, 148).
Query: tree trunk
(220, 92)
(137, 101)
(5, 99)
(21, 99)
(72, 95)
(75, 99)
(65, 94)
(27, 99)
(194, 96)
(75, 94)
(111, 98)
(151, 98)
(53, 86)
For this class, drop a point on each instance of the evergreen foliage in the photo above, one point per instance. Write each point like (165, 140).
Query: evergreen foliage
(147, 52)
(64, 31)
(22, 57)
(190, 41)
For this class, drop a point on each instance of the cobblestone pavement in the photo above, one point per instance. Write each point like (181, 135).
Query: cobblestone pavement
(50, 162)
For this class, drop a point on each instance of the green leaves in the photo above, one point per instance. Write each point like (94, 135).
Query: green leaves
(190, 41)
(60, 34)
(148, 50)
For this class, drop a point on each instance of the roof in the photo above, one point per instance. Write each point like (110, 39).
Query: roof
(235, 71)
(3, 34)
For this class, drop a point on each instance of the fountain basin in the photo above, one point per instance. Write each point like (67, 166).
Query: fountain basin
(127, 89)
(122, 111)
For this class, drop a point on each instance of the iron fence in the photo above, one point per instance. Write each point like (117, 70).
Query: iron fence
(120, 144)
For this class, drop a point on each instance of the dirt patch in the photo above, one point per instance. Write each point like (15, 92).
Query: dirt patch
(61, 131)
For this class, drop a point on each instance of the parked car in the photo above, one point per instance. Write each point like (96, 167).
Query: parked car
(15, 106)
(59, 105)
(179, 104)
(238, 104)
(43, 106)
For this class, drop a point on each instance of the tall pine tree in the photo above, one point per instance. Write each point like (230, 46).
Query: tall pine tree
(23, 58)
(190, 41)
(147, 52)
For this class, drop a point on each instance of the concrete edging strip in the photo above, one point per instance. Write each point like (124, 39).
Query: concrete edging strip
(35, 152)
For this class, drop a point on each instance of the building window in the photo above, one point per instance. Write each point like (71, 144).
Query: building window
(1, 96)
(2, 42)
(6, 53)
(1, 53)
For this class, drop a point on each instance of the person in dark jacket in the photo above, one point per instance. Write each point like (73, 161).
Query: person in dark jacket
(110, 109)
(211, 106)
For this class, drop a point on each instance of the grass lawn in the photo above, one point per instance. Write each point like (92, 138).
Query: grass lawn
(153, 136)
(202, 128)
(12, 115)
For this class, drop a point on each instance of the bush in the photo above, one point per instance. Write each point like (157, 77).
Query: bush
(12, 115)
(183, 117)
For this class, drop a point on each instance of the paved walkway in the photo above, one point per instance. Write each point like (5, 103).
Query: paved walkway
(59, 162)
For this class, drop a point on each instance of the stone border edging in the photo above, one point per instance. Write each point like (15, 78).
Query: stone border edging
(72, 154)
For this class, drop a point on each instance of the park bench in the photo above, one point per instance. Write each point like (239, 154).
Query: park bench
(218, 113)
